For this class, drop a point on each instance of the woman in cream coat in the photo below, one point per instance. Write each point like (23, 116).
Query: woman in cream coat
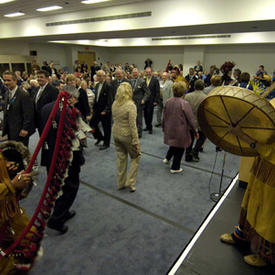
(126, 136)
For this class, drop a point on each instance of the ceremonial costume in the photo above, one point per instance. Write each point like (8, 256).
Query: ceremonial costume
(13, 221)
(257, 220)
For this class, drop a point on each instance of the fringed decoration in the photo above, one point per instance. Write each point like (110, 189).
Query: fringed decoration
(264, 171)
(27, 245)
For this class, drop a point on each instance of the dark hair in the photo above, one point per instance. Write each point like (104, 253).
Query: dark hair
(216, 80)
(199, 85)
(262, 66)
(13, 75)
(43, 72)
(227, 67)
(245, 77)
(237, 72)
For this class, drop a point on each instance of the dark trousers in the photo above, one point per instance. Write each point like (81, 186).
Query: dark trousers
(177, 154)
(70, 188)
(139, 117)
(148, 114)
(190, 150)
(106, 121)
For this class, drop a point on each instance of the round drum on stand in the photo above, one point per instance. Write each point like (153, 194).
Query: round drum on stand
(228, 105)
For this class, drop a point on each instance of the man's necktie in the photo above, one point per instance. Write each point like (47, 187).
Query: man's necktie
(38, 94)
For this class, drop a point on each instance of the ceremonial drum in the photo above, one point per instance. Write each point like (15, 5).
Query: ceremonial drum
(228, 105)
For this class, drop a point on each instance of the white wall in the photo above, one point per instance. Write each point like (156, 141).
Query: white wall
(247, 57)
(12, 47)
(137, 55)
(51, 52)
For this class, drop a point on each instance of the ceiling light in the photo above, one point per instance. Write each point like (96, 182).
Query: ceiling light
(14, 14)
(93, 1)
(5, 1)
(51, 8)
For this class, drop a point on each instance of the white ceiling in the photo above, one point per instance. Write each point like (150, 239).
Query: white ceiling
(29, 7)
(168, 18)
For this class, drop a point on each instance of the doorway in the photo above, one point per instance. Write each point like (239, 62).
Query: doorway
(87, 58)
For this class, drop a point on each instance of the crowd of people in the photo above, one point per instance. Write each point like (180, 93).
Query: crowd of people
(121, 97)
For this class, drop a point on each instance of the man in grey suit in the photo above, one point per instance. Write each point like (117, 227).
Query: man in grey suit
(18, 111)
(141, 94)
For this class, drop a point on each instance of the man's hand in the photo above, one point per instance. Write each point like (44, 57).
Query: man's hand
(21, 181)
(88, 118)
(155, 103)
(142, 101)
(103, 113)
(138, 148)
(23, 133)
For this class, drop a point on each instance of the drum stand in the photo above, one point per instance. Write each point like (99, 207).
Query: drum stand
(216, 196)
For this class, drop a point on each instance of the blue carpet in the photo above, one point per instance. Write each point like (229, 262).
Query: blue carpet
(118, 232)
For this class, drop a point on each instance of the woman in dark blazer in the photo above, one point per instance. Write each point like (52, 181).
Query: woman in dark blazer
(178, 120)
(83, 103)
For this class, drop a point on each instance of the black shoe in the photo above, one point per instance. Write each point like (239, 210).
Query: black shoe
(158, 125)
(218, 149)
(196, 158)
(69, 215)
(104, 147)
(189, 158)
(60, 227)
(145, 129)
(201, 149)
(97, 142)
(139, 136)
(150, 132)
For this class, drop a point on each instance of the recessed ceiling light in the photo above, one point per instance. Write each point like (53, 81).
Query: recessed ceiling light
(51, 8)
(5, 1)
(93, 1)
(14, 14)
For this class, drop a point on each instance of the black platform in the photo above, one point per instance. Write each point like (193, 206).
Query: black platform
(209, 256)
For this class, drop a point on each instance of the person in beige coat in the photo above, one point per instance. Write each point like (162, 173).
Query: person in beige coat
(126, 136)
(195, 98)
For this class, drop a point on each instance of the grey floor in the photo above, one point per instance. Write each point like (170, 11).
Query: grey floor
(118, 232)
(210, 256)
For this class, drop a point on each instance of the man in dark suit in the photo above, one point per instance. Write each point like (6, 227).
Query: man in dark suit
(141, 94)
(191, 78)
(153, 85)
(102, 110)
(44, 94)
(18, 111)
(119, 79)
(94, 68)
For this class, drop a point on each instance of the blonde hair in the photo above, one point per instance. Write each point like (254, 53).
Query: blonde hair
(70, 77)
(179, 89)
(124, 93)
(83, 82)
